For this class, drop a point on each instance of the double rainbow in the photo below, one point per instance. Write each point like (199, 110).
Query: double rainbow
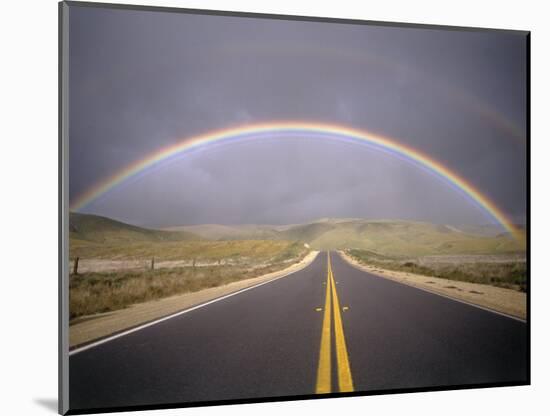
(318, 130)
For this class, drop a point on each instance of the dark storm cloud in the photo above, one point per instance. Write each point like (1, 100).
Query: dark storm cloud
(140, 81)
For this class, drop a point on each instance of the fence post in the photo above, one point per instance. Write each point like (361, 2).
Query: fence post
(75, 267)
(153, 263)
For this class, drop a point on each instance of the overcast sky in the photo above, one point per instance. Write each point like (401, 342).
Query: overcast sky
(142, 80)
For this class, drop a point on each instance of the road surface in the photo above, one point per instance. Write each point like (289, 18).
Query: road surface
(328, 328)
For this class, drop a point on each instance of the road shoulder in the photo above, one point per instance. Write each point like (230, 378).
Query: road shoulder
(94, 327)
(506, 301)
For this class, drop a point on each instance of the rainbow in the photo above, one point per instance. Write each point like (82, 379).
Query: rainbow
(275, 129)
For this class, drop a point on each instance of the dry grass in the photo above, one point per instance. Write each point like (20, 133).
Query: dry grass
(95, 292)
(115, 263)
(203, 251)
(508, 301)
(510, 274)
(90, 327)
(92, 293)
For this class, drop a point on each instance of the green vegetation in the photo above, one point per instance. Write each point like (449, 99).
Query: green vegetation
(233, 232)
(94, 228)
(507, 274)
(94, 237)
(407, 238)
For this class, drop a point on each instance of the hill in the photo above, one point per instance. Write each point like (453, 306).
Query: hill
(410, 238)
(98, 229)
(231, 232)
(97, 237)
(389, 237)
(392, 237)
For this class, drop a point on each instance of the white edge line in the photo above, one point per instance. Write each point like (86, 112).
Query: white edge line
(192, 308)
(440, 294)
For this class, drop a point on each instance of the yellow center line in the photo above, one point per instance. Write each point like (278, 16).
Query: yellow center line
(324, 384)
(324, 377)
(345, 381)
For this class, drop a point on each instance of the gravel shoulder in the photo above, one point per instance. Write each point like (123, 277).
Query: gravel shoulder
(92, 327)
(507, 301)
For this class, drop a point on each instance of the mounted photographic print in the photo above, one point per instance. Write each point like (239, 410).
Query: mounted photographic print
(259, 208)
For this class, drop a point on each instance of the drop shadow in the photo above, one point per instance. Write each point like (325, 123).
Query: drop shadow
(48, 404)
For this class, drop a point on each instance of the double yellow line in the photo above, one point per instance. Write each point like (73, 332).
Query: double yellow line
(324, 375)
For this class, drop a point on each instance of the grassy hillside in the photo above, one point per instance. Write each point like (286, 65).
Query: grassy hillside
(100, 237)
(95, 237)
(184, 263)
(487, 230)
(412, 238)
(99, 229)
(205, 251)
(406, 238)
(231, 232)
(308, 233)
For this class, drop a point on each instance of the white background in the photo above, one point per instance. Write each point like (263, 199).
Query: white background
(28, 228)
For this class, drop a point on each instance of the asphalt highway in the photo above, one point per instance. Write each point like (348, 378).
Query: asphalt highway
(328, 328)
